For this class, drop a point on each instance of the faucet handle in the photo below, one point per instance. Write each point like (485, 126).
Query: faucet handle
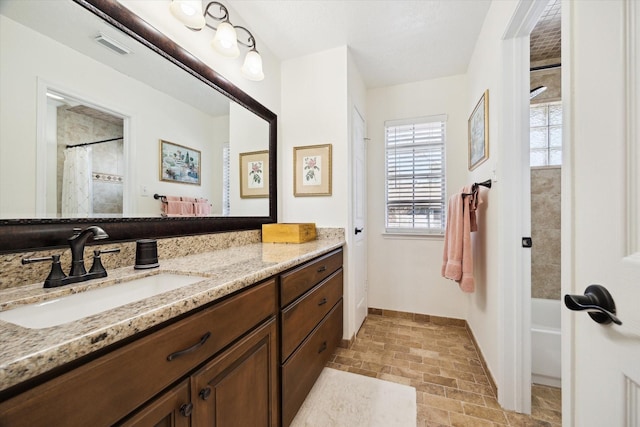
(97, 269)
(56, 276)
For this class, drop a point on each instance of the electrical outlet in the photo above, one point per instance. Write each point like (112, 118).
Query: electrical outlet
(144, 192)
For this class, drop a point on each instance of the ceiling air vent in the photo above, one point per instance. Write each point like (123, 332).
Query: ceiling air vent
(112, 44)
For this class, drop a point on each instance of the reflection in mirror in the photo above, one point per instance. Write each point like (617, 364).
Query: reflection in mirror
(87, 178)
(111, 87)
(45, 58)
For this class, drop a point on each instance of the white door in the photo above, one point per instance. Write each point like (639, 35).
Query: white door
(359, 231)
(601, 363)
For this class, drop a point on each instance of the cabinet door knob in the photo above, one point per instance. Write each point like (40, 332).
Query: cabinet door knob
(323, 347)
(323, 301)
(186, 409)
(205, 393)
(321, 269)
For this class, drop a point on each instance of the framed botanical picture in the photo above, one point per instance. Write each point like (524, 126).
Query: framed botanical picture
(179, 163)
(254, 174)
(312, 170)
(479, 132)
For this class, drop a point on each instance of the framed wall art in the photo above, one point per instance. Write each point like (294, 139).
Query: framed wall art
(254, 174)
(479, 132)
(312, 170)
(179, 163)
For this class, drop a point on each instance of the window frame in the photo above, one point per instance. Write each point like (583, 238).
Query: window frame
(391, 228)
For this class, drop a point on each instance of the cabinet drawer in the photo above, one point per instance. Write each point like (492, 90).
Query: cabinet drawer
(297, 282)
(304, 314)
(104, 390)
(303, 368)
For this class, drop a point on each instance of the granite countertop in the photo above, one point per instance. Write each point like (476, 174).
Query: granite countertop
(26, 353)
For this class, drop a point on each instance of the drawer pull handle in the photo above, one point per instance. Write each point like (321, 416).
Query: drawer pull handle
(323, 268)
(323, 347)
(205, 393)
(186, 409)
(323, 301)
(194, 347)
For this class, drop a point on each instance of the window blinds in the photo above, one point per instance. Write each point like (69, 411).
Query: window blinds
(415, 167)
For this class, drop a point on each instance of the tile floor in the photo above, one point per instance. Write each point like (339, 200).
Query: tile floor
(440, 360)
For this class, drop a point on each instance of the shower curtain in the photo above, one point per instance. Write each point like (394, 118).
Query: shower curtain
(77, 197)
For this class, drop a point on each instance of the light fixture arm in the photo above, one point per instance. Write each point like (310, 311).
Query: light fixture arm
(223, 10)
(251, 41)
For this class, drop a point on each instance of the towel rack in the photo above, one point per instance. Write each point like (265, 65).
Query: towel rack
(158, 196)
(474, 187)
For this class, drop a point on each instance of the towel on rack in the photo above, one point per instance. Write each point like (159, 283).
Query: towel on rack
(179, 209)
(457, 262)
(202, 207)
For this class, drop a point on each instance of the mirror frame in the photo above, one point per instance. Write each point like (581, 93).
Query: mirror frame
(18, 235)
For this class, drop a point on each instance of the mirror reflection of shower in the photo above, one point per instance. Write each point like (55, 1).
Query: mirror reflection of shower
(89, 167)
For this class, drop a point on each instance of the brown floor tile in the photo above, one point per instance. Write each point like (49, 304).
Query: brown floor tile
(438, 357)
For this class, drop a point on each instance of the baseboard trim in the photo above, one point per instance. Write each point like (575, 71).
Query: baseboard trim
(483, 362)
(437, 320)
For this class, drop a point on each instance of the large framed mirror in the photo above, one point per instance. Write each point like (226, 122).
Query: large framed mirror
(60, 83)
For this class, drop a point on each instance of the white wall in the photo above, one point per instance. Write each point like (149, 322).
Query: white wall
(490, 251)
(314, 112)
(404, 272)
(319, 93)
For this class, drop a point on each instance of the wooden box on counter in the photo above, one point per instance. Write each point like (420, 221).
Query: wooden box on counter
(288, 233)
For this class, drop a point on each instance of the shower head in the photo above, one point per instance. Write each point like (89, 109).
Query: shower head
(536, 91)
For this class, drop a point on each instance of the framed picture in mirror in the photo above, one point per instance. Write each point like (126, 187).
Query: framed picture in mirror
(179, 163)
(312, 170)
(254, 174)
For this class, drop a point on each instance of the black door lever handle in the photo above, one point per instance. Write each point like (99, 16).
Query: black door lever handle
(597, 301)
(359, 230)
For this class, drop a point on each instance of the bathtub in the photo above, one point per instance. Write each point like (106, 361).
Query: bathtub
(545, 342)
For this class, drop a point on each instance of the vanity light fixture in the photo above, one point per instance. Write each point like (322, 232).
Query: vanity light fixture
(226, 40)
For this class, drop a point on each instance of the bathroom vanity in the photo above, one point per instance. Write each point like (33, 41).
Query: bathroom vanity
(243, 346)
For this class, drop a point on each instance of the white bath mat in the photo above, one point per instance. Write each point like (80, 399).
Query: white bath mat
(343, 399)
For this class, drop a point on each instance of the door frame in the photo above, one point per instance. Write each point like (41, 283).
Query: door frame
(514, 387)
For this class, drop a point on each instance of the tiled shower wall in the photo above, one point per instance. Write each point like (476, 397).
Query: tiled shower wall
(107, 158)
(545, 231)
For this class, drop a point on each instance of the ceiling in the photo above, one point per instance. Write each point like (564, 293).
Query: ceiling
(546, 36)
(392, 42)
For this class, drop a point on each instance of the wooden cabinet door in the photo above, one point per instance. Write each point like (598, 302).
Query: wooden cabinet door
(239, 388)
(171, 409)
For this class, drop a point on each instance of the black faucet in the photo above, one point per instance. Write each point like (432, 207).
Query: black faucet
(78, 271)
(77, 243)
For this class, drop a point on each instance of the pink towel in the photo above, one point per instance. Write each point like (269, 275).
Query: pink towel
(179, 208)
(457, 260)
(202, 208)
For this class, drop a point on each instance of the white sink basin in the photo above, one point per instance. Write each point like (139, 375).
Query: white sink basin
(77, 306)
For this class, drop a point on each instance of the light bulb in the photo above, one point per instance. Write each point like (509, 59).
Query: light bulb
(252, 67)
(226, 40)
(189, 12)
